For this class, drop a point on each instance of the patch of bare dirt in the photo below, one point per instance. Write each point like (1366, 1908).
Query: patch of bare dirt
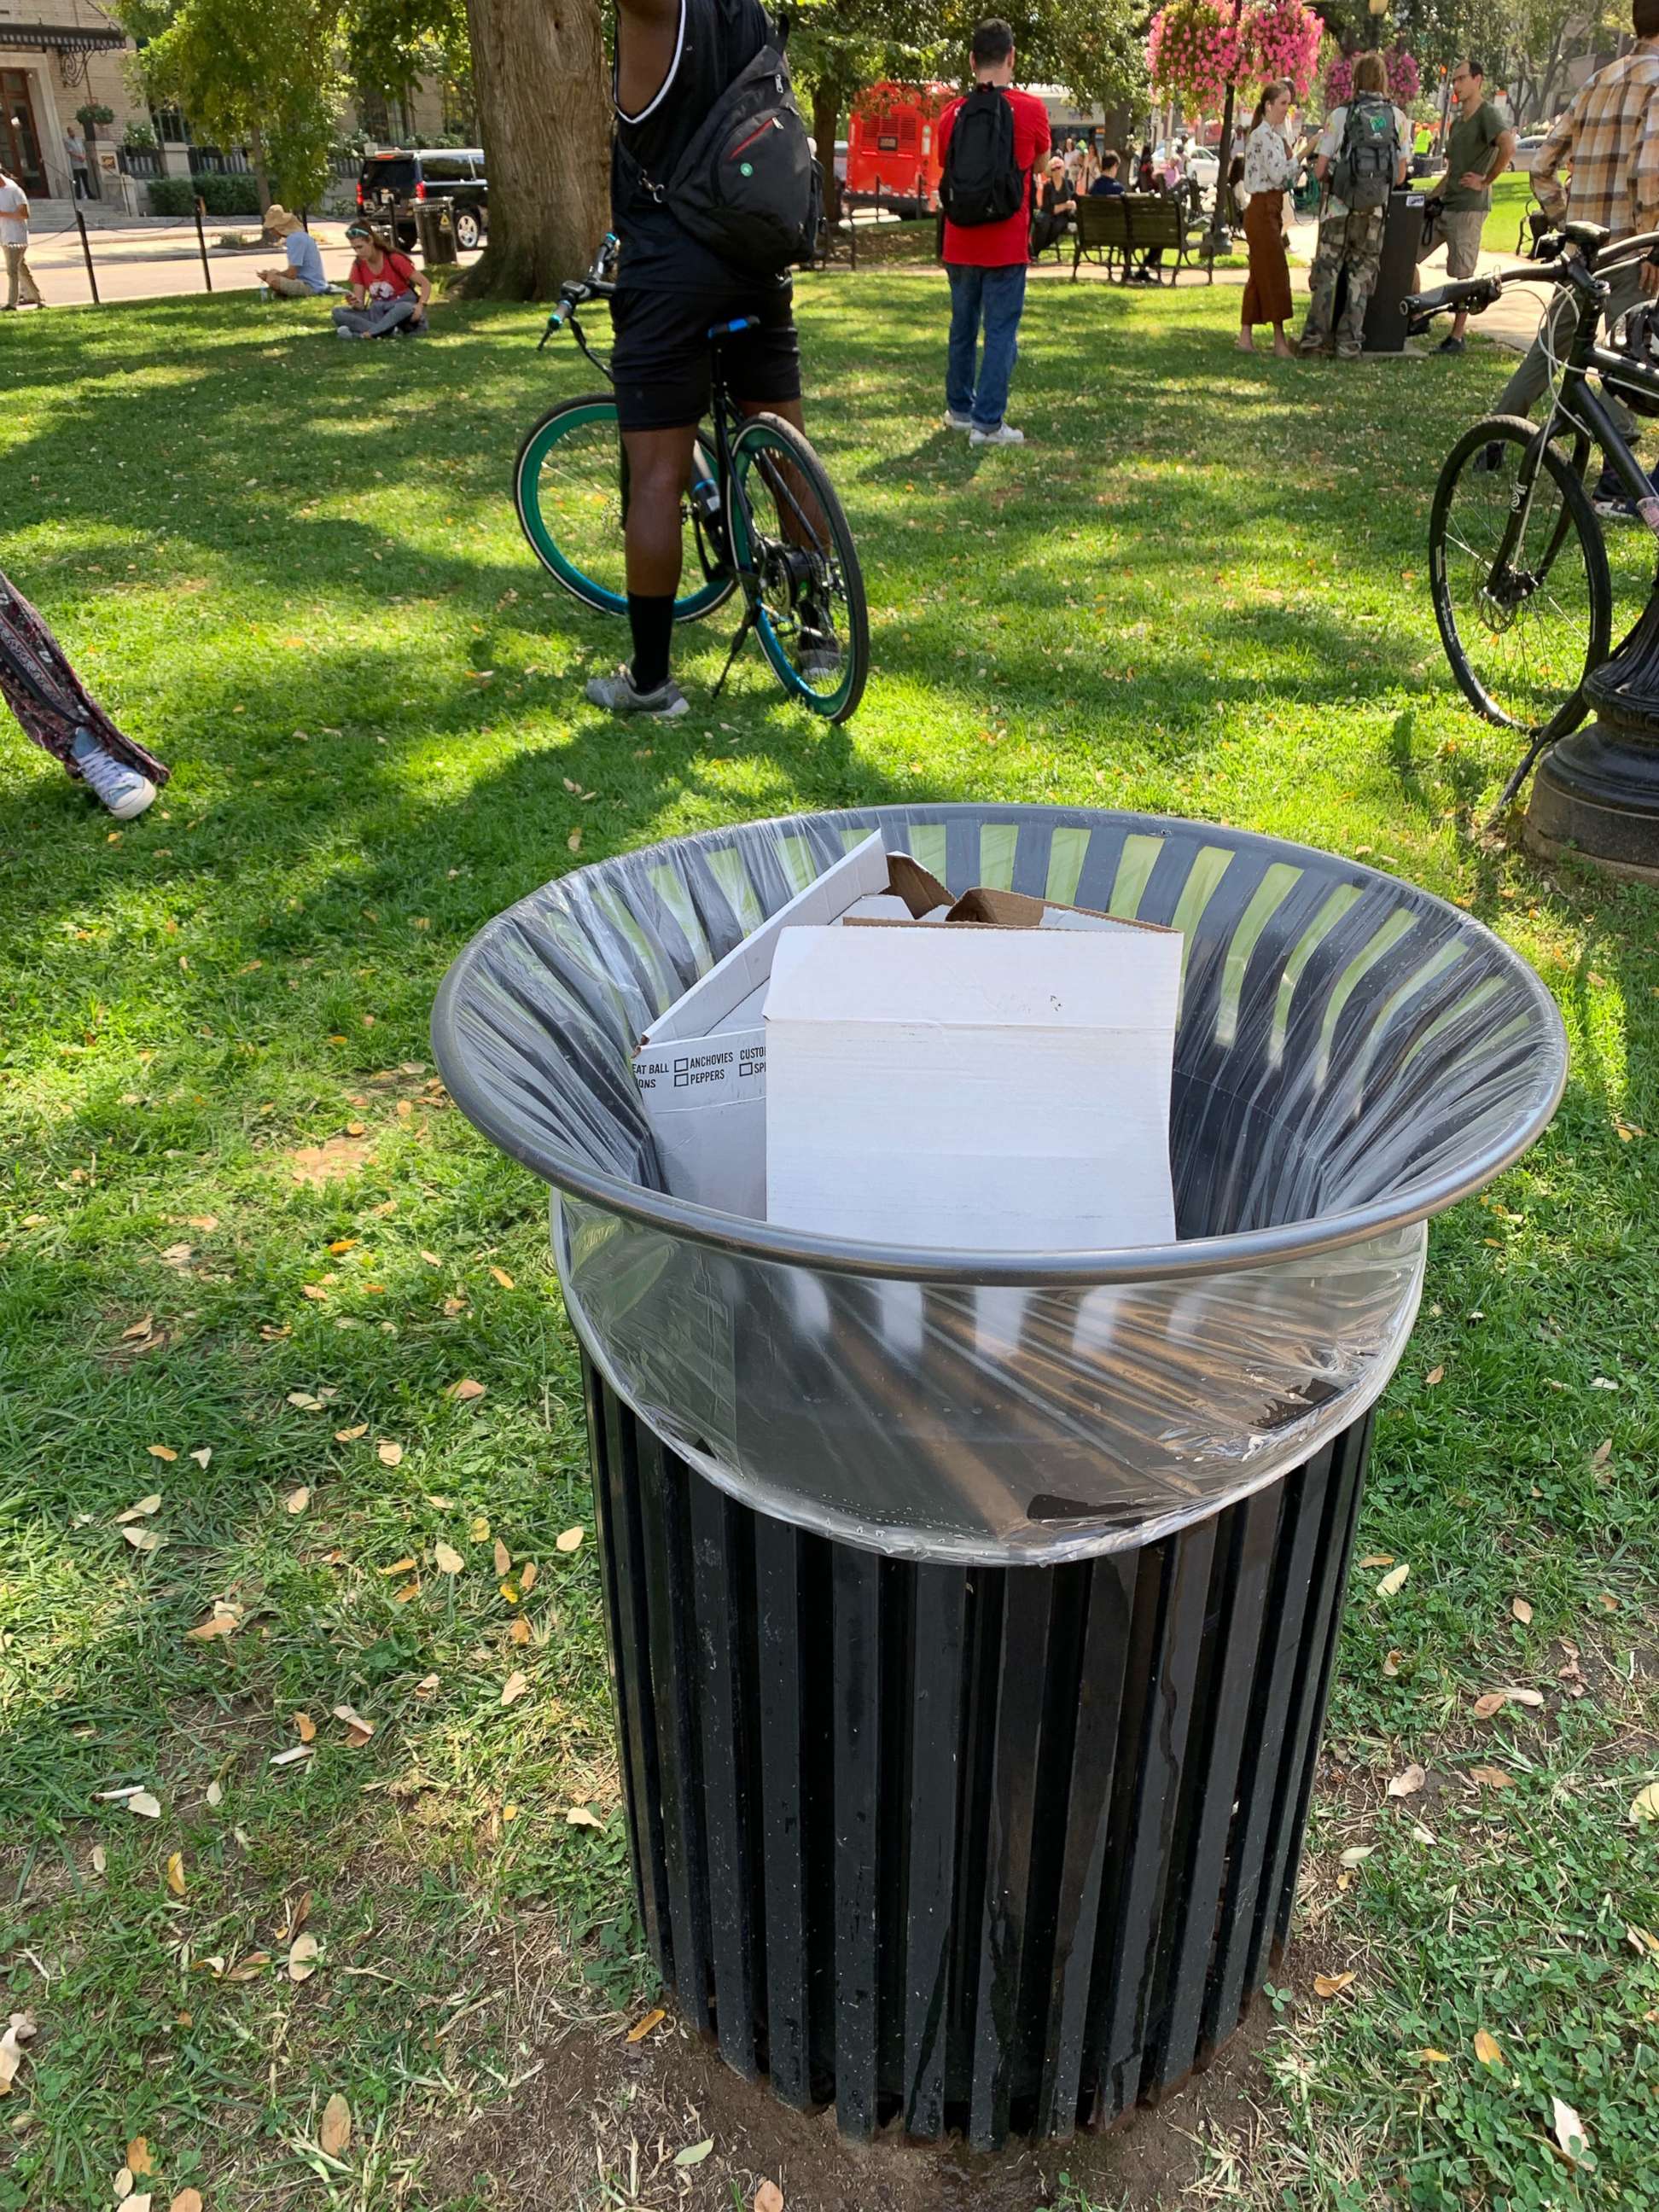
(594, 2121)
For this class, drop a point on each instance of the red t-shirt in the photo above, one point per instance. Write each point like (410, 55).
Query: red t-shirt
(394, 276)
(1000, 245)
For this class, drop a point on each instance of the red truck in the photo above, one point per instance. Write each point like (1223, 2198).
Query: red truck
(892, 147)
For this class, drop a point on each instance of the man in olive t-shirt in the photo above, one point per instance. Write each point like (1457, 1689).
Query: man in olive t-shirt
(1479, 150)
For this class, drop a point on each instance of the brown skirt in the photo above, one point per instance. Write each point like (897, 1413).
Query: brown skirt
(1267, 289)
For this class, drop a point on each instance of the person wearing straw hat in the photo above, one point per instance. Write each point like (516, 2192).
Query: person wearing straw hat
(303, 278)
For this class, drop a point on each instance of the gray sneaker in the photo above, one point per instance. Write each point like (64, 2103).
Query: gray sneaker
(617, 694)
(958, 422)
(1004, 434)
(122, 789)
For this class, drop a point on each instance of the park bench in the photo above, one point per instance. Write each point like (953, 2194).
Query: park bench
(1113, 229)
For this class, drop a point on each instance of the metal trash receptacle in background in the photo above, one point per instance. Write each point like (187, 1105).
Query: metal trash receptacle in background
(1403, 244)
(972, 1615)
(434, 227)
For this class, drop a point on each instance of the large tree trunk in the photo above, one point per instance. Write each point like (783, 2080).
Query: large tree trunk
(539, 86)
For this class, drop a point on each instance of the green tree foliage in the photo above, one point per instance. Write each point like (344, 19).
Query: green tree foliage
(391, 45)
(250, 73)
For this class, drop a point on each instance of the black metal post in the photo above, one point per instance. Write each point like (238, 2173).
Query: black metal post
(1597, 792)
(85, 248)
(201, 241)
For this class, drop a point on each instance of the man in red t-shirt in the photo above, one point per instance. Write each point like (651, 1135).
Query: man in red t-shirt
(986, 262)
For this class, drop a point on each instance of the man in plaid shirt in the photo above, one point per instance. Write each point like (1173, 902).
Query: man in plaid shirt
(1610, 135)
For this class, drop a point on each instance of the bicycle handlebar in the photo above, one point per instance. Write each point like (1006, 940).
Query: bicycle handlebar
(1475, 293)
(575, 291)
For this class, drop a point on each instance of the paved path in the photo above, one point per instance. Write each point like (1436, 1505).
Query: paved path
(158, 261)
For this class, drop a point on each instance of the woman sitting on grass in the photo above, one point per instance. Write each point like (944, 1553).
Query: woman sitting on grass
(387, 291)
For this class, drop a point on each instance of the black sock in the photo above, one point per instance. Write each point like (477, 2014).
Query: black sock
(652, 621)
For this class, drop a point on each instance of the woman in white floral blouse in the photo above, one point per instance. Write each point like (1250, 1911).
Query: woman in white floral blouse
(1269, 172)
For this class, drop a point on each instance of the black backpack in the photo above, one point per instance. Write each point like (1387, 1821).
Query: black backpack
(982, 182)
(1370, 159)
(747, 185)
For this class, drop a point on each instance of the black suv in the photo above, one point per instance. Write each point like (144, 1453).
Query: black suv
(391, 185)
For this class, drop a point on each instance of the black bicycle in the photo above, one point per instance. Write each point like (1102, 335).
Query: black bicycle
(1517, 562)
(760, 516)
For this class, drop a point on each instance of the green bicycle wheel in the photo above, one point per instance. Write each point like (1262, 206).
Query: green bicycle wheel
(789, 533)
(568, 487)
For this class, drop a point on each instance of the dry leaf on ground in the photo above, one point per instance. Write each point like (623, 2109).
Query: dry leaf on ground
(1376, 1559)
(317, 1164)
(176, 1884)
(582, 1816)
(503, 1278)
(569, 1542)
(1394, 1580)
(292, 1756)
(1430, 2057)
(335, 2133)
(694, 2153)
(1332, 1986)
(1493, 1777)
(1435, 1375)
(641, 2028)
(388, 1453)
(350, 1436)
(139, 2161)
(302, 1958)
(17, 2034)
(141, 1510)
(1357, 1854)
(1487, 2048)
(297, 1500)
(515, 1688)
(1409, 1780)
(306, 1728)
(138, 2202)
(527, 1577)
(503, 1557)
(1488, 1703)
(1569, 2130)
(146, 1807)
(202, 1457)
(465, 1389)
(214, 1793)
(769, 2197)
(447, 1559)
(1645, 1805)
(144, 1540)
(358, 1730)
(519, 1631)
(187, 2200)
(161, 1451)
(1522, 1610)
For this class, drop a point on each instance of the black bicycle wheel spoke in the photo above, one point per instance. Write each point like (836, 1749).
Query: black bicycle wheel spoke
(1521, 626)
(808, 592)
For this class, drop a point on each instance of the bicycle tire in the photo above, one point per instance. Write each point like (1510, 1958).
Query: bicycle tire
(592, 417)
(1557, 704)
(762, 434)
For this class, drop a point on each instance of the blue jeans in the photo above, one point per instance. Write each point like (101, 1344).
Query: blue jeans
(998, 296)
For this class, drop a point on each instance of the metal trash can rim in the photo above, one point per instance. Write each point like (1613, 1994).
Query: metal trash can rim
(1194, 1257)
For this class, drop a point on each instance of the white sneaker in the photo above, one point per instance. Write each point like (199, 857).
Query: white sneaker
(958, 422)
(122, 789)
(1004, 434)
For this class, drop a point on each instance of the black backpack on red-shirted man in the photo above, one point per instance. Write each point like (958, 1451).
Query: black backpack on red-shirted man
(982, 182)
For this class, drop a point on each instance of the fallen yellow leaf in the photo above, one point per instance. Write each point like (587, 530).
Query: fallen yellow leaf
(176, 1884)
(161, 1451)
(1645, 1805)
(569, 1542)
(527, 1575)
(139, 2161)
(1487, 2048)
(1394, 1580)
(448, 1558)
(297, 1500)
(641, 2028)
(302, 1958)
(1493, 1777)
(335, 2133)
(465, 1389)
(1331, 1985)
(187, 2200)
(141, 1510)
(390, 1454)
(350, 1436)
(515, 1688)
(1522, 1610)
(769, 2197)
(503, 1557)
(306, 1726)
(1435, 1375)
(503, 1278)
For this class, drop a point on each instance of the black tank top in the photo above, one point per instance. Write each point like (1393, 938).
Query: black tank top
(717, 39)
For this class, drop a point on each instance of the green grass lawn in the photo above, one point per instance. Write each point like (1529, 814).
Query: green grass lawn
(247, 1251)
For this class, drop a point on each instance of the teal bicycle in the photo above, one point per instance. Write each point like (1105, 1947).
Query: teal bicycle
(760, 516)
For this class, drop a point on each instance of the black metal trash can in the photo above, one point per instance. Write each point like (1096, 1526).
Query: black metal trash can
(434, 227)
(971, 1616)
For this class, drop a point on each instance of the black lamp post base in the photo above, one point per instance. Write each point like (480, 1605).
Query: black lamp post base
(1597, 794)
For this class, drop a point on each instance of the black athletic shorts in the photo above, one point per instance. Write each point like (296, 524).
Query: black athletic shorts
(660, 359)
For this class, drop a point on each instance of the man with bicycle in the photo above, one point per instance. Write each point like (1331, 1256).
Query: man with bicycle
(674, 61)
(1610, 137)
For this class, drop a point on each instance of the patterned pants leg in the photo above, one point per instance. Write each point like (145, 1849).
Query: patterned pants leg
(1353, 241)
